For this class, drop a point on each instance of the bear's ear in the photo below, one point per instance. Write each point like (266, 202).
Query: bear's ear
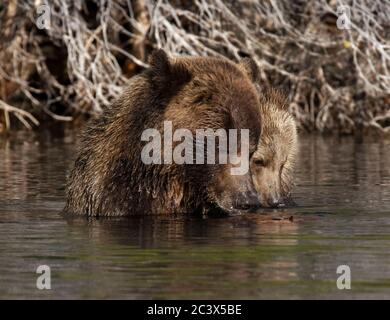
(276, 97)
(249, 66)
(159, 63)
(166, 74)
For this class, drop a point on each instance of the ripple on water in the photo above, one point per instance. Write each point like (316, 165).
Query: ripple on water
(342, 217)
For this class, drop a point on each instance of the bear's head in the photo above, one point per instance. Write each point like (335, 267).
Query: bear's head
(273, 161)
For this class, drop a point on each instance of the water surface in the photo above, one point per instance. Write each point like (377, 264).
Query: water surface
(342, 218)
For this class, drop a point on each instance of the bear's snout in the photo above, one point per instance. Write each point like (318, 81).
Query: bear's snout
(275, 202)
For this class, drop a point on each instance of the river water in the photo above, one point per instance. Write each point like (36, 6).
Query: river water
(342, 218)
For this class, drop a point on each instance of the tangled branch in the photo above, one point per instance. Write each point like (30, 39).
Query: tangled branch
(338, 80)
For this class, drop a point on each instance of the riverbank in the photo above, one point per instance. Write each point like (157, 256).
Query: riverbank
(78, 60)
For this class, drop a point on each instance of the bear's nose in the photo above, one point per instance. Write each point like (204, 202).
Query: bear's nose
(247, 201)
(275, 202)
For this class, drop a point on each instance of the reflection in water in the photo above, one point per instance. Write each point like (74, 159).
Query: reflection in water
(343, 192)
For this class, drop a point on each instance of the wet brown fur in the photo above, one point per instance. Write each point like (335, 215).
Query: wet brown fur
(109, 178)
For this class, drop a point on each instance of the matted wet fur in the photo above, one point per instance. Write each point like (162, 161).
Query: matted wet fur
(109, 178)
(273, 162)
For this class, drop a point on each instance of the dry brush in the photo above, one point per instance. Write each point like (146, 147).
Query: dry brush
(338, 80)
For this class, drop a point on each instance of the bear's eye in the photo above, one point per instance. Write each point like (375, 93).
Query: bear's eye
(259, 162)
(203, 99)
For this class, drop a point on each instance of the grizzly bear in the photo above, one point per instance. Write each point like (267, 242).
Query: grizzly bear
(110, 178)
(273, 161)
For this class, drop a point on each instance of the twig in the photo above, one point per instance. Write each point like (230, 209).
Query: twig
(22, 115)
